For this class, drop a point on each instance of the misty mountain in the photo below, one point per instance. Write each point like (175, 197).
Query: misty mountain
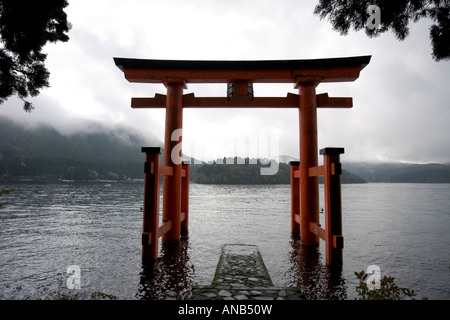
(43, 152)
(401, 172)
(97, 152)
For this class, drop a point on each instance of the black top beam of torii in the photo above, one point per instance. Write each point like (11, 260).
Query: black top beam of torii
(240, 76)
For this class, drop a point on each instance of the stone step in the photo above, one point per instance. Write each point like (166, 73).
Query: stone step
(254, 293)
(242, 275)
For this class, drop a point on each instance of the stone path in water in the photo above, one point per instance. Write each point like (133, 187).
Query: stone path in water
(242, 275)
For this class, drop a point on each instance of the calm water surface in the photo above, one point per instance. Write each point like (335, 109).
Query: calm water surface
(45, 227)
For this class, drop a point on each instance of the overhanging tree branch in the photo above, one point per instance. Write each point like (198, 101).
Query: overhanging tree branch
(25, 27)
(395, 16)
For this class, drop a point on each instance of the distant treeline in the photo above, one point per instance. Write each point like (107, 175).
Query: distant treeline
(248, 173)
(401, 172)
(13, 167)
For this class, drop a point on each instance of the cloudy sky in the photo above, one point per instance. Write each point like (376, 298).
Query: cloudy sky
(401, 100)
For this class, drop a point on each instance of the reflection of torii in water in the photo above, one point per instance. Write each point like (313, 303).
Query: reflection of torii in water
(239, 76)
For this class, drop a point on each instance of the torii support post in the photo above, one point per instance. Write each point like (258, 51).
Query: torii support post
(151, 203)
(331, 170)
(333, 206)
(295, 197)
(152, 231)
(185, 197)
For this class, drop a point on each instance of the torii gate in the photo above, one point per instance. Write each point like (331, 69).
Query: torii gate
(240, 76)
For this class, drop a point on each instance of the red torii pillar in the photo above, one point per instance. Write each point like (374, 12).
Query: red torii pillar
(172, 184)
(309, 186)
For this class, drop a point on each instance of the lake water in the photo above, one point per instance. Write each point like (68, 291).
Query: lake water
(46, 227)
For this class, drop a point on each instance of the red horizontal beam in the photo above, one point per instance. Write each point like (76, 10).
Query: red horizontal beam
(164, 228)
(338, 240)
(323, 101)
(159, 101)
(315, 228)
(316, 171)
(290, 101)
(166, 170)
(320, 171)
(297, 218)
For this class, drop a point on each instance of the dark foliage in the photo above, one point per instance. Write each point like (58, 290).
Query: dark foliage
(388, 289)
(25, 27)
(395, 16)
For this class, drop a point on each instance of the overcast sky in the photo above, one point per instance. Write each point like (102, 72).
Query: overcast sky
(401, 101)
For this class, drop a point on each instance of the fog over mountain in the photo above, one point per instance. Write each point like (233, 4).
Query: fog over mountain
(95, 151)
(401, 172)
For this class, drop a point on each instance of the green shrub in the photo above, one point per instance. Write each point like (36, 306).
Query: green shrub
(5, 191)
(388, 290)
